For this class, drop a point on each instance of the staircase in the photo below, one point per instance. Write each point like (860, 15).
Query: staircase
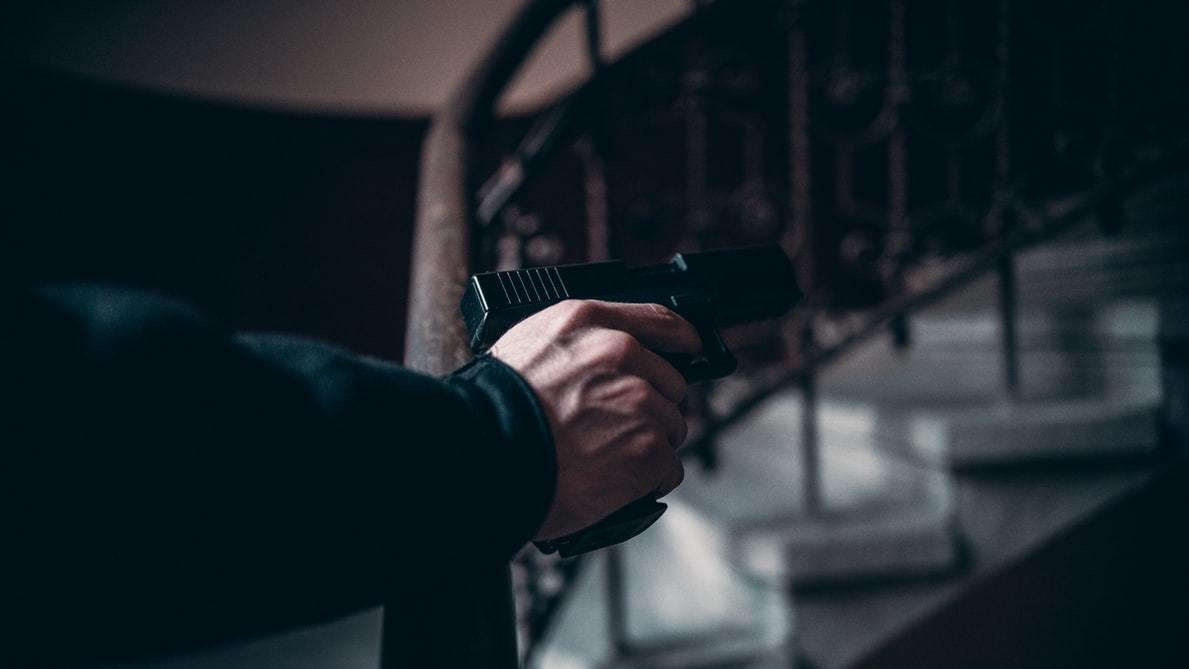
(879, 145)
(908, 440)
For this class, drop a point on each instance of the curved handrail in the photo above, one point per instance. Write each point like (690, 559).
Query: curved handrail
(442, 246)
(478, 606)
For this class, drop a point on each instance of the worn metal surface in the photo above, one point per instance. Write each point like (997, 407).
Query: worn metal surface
(442, 248)
(470, 621)
(436, 340)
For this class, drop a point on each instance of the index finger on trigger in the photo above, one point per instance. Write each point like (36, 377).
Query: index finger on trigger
(656, 327)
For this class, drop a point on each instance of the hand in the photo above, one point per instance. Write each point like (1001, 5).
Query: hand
(611, 402)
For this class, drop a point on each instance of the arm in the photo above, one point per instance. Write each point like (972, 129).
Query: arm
(167, 484)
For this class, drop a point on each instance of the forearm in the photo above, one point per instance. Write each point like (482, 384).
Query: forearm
(173, 484)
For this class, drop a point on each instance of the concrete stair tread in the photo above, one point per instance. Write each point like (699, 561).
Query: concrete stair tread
(879, 514)
(760, 469)
(1144, 264)
(957, 356)
(685, 608)
(1051, 429)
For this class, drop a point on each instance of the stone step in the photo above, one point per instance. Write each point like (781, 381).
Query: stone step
(1088, 271)
(721, 563)
(999, 432)
(685, 608)
(880, 515)
(1107, 350)
(1006, 433)
(1091, 268)
(1146, 259)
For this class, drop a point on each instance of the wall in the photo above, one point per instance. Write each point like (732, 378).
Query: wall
(258, 158)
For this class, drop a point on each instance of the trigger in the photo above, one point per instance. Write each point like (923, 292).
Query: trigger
(716, 360)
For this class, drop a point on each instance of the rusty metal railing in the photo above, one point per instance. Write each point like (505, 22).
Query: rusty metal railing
(470, 621)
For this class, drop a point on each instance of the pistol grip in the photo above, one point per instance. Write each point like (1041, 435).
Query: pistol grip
(616, 528)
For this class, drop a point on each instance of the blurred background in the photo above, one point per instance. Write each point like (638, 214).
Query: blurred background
(965, 446)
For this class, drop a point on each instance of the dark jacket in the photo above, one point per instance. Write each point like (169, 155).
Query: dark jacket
(167, 484)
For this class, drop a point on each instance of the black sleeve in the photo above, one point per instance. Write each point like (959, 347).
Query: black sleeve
(166, 483)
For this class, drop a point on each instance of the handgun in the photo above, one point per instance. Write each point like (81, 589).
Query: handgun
(710, 289)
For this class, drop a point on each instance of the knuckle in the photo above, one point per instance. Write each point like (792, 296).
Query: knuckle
(575, 313)
(616, 347)
(640, 449)
(637, 393)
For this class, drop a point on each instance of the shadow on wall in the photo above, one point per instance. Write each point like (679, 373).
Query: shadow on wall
(269, 221)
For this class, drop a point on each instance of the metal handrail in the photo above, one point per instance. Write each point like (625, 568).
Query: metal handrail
(477, 606)
(442, 246)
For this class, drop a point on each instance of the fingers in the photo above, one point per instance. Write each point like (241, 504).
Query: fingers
(656, 371)
(672, 472)
(656, 327)
(621, 352)
(668, 419)
(667, 431)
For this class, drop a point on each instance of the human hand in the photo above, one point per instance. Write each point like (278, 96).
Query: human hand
(610, 400)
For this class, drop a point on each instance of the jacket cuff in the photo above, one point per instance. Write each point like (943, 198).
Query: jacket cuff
(498, 394)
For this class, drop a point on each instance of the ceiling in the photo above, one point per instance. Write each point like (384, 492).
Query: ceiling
(383, 57)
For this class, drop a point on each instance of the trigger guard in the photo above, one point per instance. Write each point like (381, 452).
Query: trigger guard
(717, 360)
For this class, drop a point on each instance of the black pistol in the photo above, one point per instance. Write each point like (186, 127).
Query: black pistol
(710, 289)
